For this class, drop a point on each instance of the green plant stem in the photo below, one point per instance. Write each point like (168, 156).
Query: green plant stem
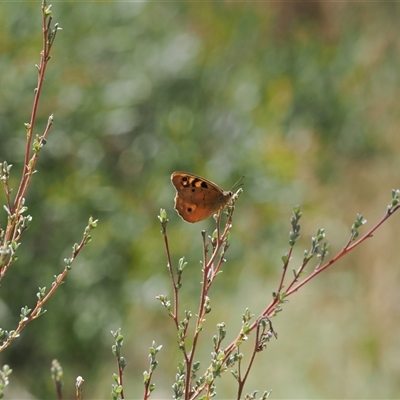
(172, 276)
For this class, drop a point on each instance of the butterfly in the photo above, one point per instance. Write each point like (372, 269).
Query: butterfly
(197, 198)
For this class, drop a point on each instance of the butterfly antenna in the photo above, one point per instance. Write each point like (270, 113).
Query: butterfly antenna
(237, 185)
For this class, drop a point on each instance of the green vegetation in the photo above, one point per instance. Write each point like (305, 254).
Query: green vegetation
(300, 98)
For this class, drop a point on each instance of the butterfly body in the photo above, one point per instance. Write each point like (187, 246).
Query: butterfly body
(197, 198)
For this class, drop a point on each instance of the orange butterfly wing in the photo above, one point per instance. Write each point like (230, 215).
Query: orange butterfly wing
(197, 198)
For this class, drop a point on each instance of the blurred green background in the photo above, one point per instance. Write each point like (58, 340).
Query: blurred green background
(301, 98)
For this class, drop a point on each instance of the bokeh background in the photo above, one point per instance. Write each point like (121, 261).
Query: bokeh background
(300, 97)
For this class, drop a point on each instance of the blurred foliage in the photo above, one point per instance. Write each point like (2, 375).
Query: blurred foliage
(301, 98)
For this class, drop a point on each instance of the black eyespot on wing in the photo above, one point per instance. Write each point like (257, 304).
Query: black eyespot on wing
(189, 210)
(204, 185)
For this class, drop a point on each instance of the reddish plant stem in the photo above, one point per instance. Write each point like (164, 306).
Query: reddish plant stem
(252, 358)
(343, 252)
(35, 313)
(121, 374)
(44, 59)
(285, 266)
(270, 309)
